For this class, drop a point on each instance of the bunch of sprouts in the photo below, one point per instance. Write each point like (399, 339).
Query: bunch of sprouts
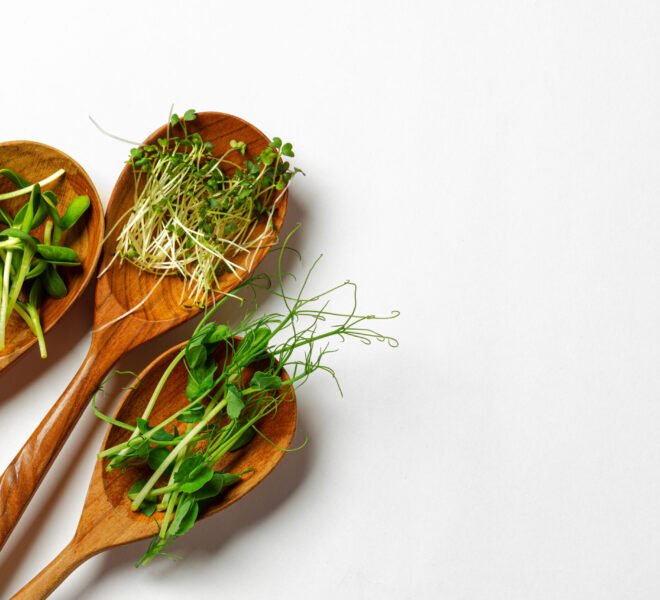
(228, 401)
(198, 216)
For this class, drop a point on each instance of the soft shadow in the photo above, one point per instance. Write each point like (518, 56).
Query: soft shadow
(60, 340)
(209, 539)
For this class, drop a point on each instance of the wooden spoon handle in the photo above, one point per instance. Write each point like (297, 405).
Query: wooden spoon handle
(54, 573)
(24, 474)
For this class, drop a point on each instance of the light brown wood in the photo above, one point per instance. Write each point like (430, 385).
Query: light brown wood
(122, 288)
(35, 162)
(107, 519)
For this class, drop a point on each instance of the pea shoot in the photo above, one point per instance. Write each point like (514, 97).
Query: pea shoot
(28, 265)
(195, 214)
(227, 402)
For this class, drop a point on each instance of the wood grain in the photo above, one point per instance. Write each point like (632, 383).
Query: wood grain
(122, 288)
(107, 519)
(35, 162)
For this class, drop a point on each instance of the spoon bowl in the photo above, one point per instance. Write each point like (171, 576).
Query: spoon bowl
(131, 307)
(107, 519)
(35, 162)
(132, 287)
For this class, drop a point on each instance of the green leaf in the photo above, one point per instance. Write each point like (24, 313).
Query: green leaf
(193, 473)
(193, 414)
(148, 506)
(156, 456)
(287, 150)
(38, 268)
(276, 143)
(40, 215)
(202, 475)
(245, 438)
(188, 467)
(219, 333)
(53, 283)
(15, 178)
(216, 484)
(17, 233)
(268, 156)
(254, 343)
(51, 199)
(200, 381)
(136, 488)
(189, 115)
(235, 404)
(74, 211)
(185, 517)
(265, 381)
(57, 254)
(162, 436)
(196, 355)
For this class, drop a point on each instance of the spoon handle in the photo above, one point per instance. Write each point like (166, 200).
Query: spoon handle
(24, 474)
(46, 581)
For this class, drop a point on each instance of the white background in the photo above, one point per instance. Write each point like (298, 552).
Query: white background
(488, 168)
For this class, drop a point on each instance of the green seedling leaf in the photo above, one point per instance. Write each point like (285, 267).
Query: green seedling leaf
(200, 381)
(40, 215)
(15, 178)
(235, 404)
(245, 438)
(162, 436)
(185, 517)
(219, 333)
(58, 255)
(156, 456)
(19, 234)
(192, 415)
(148, 506)
(195, 483)
(216, 484)
(74, 211)
(188, 467)
(193, 473)
(189, 115)
(51, 199)
(38, 267)
(287, 150)
(265, 381)
(53, 283)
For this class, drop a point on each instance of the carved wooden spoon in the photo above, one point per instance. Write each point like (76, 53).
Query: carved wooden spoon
(120, 289)
(107, 519)
(35, 162)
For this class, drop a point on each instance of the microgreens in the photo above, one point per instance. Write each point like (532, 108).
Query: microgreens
(226, 403)
(25, 258)
(195, 214)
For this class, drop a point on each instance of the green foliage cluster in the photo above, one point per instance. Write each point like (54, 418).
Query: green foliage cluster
(195, 215)
(227, 400)
(28, 265)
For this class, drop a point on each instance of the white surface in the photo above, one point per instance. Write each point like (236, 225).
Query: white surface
(491, 170)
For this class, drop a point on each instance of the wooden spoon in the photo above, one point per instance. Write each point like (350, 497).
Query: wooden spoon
(107, 519)
(35, 162)
(120, 289)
